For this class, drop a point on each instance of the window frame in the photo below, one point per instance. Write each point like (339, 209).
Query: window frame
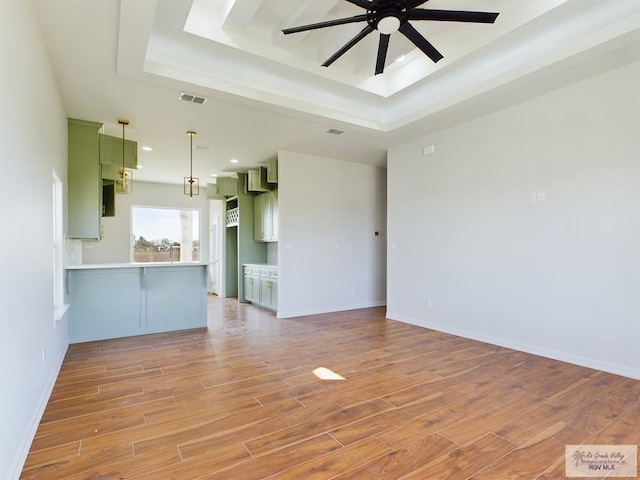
(58, 242)
(178, 209)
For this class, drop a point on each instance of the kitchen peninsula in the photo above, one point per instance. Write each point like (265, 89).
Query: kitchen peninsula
(125, 299)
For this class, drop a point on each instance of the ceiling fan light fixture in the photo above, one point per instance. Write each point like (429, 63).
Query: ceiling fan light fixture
(388, 25)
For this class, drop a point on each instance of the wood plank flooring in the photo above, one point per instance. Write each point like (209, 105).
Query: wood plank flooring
(239, 400)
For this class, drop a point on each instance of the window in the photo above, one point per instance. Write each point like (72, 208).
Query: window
(165, 235)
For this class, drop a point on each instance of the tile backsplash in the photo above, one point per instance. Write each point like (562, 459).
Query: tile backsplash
(73, 252)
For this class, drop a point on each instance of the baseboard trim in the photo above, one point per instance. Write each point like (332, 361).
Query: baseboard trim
(35, 422)
(319, 311)
(522, 347)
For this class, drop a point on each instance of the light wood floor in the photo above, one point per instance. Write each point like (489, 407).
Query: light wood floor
(240, 401)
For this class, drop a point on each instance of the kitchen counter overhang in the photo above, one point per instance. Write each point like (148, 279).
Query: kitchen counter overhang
(99, 266)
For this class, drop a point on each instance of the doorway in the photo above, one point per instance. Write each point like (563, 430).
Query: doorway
(216, 264)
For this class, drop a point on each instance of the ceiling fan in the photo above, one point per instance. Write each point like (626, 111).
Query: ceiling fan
(389, 16)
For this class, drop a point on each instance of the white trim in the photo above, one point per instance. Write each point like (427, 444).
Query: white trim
(522, 347)
(58, 239)
(58, 313)
(304, 313)
(35, 421)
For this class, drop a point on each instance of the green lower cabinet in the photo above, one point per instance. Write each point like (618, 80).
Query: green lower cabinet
(261, 285)
(269, 293)
(251, 288)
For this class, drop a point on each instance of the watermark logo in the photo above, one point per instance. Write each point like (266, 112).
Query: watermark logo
(601, 461)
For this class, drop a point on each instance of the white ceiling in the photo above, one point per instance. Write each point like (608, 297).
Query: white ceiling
(267, 92)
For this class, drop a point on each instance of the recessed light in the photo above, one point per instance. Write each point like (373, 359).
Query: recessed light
(147, 149)
(139, 167)
(234, 160)
(214, 175)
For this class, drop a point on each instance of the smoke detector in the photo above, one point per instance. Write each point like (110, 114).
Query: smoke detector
(335, 131)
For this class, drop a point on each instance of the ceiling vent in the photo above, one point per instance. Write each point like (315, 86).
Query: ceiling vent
(192, 98)
(201, 146)
(335, 131)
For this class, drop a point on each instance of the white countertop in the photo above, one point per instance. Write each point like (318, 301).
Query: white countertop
(97, 266)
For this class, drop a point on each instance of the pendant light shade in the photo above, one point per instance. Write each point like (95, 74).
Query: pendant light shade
(124, 175)
(191, 183)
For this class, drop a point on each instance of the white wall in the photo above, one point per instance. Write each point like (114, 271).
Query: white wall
(469, 254)
(33, 143)
(116, 243)
(329, 258)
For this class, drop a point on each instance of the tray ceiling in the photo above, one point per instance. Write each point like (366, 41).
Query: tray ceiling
(237, 46)
(267, 92)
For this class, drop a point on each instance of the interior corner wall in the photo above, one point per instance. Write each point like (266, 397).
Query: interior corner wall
(523, 229)
(33, 145)
(329, 257)
(115, 247)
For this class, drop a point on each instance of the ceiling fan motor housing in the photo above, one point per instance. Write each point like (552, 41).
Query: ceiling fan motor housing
(386, 16)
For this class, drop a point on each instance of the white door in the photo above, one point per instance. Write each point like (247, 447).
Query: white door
(214, 256)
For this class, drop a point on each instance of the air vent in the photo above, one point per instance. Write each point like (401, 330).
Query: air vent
(335, 131)
(200, 146)
(192, 98)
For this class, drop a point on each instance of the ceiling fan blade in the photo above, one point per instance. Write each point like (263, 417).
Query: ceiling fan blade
(328, 23)
(363, 33)
(361, 3)
(383, 46)
(415, 3)
(419, 41)
(453, 16)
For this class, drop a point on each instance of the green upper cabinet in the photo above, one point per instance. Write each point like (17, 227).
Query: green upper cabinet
(84, 180)
(257, 180)
(111, 152)
(272, 170)
(224, 187)
(265, 217)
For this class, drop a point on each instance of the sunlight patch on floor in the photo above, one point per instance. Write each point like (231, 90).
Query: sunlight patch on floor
(325, 374)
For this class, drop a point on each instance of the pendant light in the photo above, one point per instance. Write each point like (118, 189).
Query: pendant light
(191, 183)
(124, 175)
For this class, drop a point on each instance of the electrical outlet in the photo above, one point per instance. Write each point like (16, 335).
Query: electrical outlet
(428, 150)
(533, 198)
(542, 196)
